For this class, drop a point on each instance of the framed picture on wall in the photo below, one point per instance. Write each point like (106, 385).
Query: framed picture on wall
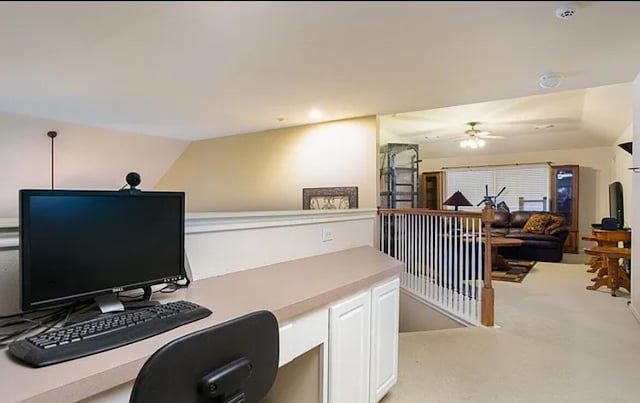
(330, 198)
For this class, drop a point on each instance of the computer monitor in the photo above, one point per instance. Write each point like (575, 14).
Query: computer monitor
(78, 245)
(616, 203)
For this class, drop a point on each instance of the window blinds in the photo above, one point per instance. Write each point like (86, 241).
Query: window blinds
(530, 182)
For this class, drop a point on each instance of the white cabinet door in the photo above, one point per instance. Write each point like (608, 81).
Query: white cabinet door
(385, 308)
(349, 349)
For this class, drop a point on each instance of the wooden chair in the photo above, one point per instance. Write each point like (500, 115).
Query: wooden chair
(594, 261)
(615, 276)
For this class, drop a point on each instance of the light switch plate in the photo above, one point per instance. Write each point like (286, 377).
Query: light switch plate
(327, 234)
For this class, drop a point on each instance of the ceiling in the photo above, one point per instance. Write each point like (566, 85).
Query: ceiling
(571, 119)
(196, 70)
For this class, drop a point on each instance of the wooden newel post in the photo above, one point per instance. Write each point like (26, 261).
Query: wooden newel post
(487, 296)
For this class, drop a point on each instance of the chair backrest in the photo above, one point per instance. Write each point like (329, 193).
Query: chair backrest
(235, 361)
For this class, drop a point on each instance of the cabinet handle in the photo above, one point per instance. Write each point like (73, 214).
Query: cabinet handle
(635, 169)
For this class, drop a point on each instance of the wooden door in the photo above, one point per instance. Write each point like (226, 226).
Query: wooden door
(431, 188)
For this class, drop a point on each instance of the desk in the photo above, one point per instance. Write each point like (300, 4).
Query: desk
(291, 290)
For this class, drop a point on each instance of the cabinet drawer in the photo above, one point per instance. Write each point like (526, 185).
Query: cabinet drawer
(302, 334)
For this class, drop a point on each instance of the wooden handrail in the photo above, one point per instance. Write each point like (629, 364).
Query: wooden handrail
(428, 212)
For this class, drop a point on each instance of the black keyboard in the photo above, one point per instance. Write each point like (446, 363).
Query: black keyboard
(93, 336)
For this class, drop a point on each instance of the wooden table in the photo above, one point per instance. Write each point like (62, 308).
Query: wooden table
(616, 276)
(609, 238)
(497, 261)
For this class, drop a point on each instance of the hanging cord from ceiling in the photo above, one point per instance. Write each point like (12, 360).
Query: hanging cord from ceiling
(52, 135)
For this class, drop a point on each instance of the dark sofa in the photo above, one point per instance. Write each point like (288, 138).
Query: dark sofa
(542, 247)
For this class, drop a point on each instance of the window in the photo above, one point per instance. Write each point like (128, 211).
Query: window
(529, 182)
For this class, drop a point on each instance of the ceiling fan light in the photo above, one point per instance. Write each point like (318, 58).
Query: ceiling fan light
(463, 144)
(481, 143)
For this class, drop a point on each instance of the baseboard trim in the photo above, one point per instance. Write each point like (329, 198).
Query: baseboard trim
(634, 312)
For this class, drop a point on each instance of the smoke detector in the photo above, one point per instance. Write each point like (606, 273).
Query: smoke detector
(566, 11)
(550, 80)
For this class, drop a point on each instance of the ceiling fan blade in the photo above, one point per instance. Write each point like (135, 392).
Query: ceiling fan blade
(431, 140)
(483, 132)
(486, 136)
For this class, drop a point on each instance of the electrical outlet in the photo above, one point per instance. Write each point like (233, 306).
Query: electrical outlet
(327, 234)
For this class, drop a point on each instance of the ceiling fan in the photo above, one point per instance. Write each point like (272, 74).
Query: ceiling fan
(476, 138)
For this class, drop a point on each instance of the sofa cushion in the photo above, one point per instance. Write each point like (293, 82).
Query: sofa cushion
(527, 236)
(532, 243)
(537, 223)
(556, 222)
(560, 231)
(500, 219)
(520, 218)
(499, 231)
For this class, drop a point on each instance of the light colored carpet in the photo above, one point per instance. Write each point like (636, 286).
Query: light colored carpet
(558, 342)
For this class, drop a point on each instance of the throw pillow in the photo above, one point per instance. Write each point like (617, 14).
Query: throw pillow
(537, 223)
(555, 223)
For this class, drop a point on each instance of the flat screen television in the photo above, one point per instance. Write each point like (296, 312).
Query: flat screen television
(616, 203)
(78, 245)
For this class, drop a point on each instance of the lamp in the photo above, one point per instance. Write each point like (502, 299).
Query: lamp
(472, 143)
(457, 199)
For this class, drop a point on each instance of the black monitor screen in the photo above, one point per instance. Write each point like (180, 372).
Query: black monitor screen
(80, 244)
(616, 203)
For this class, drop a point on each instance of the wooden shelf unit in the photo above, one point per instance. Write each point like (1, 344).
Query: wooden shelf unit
(564, 194)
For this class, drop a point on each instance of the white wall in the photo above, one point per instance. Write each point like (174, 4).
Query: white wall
(415, 316)
(268, 170)
(221, 243)
(9, 284)
(635, 224)
(86, 157)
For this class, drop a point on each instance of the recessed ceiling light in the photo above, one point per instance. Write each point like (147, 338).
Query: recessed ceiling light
(315, 114)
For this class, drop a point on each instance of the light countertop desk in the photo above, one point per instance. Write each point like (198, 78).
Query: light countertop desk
(355, 290)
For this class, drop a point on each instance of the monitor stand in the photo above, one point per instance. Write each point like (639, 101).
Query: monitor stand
(144, 302)
(109, 303)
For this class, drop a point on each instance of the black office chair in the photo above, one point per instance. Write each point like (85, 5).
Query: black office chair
(233, 362)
